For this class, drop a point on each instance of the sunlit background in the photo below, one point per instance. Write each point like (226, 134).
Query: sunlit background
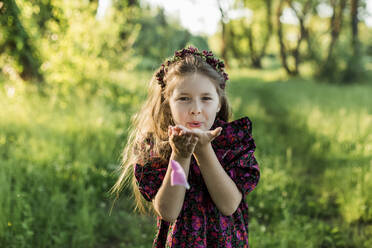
(202, 17)
(73, 74)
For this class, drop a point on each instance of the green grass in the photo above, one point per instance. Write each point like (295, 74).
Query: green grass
(314, 143)
(314, 147)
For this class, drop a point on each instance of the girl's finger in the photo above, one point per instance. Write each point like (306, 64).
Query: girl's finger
(176, 131)
(188, 133)
(175, 138)
(182, 139)
(188, 137)
(183, 128)
(216, 132)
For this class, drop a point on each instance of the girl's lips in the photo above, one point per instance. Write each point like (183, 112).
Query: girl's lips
(194, 124)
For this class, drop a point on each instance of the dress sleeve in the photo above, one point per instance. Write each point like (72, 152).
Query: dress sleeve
(150, 177)
(245, 172)
(240, 162)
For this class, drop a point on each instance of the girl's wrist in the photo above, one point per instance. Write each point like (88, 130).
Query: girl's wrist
(201, 150)
(180, 157)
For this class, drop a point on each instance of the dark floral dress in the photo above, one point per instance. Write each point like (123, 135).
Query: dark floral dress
(200, 223)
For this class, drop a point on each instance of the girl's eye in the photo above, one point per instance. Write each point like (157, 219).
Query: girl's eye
(187, 98)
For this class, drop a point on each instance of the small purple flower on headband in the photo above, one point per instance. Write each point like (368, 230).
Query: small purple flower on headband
(207, 56)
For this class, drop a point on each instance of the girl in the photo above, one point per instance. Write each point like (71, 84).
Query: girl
(186, 119)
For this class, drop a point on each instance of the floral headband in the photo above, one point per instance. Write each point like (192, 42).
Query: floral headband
(207, 56)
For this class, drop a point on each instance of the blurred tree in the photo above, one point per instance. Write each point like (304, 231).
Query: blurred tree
(355, 66)
(337, 51)
(335, 25)
(17, 43)
(238, 42)
(82, 50)
(262, 12)
(328, 65)
(301, 10)
(224, 32)
(127, 14)
(354, 26)
(46, 11)
(256, 56)
(159, 37)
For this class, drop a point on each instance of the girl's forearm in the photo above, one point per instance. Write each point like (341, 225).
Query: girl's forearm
(222, 189)
(168, 201)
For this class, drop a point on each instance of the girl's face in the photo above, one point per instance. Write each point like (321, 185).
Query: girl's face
(194, 102)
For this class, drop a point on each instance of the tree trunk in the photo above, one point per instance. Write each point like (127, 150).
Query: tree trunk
(132, 3)
(335, 26)
(255, 59)
(223, 36)
(233, 47)
(224, 44)
(354, 69)
(283, 53)
(256, 55)
(15, 33)
(354, 27)
(269, 28)
(303, 34)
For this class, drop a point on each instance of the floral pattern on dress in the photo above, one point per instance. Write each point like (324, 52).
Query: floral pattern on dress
(200, 223)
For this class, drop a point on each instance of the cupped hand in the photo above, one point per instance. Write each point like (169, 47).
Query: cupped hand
(204, 137)
(183, 144)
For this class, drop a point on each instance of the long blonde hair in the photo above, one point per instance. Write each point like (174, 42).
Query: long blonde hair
(149, 134)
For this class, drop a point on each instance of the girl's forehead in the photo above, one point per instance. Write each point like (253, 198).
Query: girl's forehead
(194, 83)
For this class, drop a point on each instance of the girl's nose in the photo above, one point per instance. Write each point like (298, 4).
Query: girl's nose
(195, 108)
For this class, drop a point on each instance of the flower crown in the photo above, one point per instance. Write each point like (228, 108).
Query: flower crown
(207, 56)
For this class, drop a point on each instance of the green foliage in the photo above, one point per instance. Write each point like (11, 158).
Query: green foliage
(78, 51)
(59, 152)
(249, 35)
(80, 57)
(309, 139)
(355, 69)
(58, 157)
(17, 43)
(57, 162)
(63, 44)
(160, 37)
(335, 60)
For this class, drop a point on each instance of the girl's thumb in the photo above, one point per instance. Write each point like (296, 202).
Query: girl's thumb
(217, 131)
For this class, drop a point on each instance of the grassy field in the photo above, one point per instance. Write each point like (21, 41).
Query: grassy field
(314, 147)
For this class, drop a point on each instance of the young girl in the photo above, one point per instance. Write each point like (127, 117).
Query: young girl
(186, 119)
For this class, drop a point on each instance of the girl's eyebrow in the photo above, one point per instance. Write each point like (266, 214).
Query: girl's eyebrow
(184, 93)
